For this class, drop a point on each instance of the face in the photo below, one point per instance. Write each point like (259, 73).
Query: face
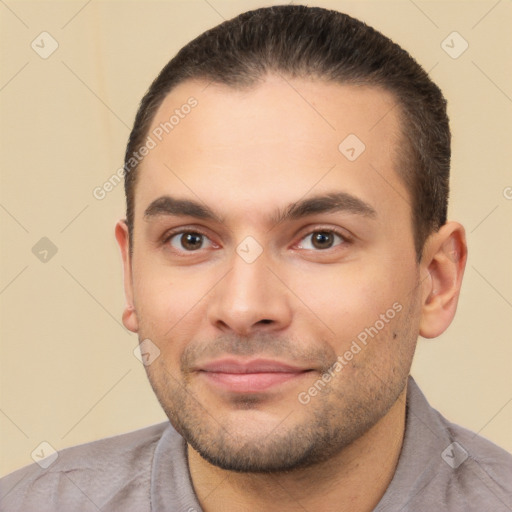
(275, 272)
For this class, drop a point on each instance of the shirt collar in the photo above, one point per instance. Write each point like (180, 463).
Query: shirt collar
(425, 439)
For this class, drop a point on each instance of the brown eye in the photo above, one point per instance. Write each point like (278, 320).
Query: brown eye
(321, 240)
(189, 241)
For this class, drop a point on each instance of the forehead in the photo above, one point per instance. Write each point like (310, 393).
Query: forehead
(272, 144)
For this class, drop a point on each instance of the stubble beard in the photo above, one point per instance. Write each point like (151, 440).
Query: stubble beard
(339, 415)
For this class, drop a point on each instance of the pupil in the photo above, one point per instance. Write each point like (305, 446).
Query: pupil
(322, 240)
(191, 240)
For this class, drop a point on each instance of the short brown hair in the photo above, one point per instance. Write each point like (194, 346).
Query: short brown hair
(300, 41)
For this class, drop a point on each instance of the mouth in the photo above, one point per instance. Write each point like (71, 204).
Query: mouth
(251, 376)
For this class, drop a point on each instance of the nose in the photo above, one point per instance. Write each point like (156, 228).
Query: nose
(250, 299)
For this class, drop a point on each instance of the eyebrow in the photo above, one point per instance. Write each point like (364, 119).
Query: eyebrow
(167, 205)
(327, 203)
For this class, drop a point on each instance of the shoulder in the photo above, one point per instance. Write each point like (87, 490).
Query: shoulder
(461, 469)
(476, 461)
(89, 475)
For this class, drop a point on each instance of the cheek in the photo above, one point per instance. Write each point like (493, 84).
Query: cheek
(343, 297)
(167, 302)
(346, 301)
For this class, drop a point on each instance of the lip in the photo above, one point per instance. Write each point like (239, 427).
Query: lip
(231, 365)
(251, 376)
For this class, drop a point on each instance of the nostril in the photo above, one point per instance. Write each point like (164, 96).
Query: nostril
(265, 321)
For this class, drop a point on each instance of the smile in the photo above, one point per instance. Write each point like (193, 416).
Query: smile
(249, 376)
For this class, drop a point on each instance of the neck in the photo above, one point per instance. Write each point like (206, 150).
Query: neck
(339, 484)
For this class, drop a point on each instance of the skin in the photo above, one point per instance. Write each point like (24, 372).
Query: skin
(247, 155)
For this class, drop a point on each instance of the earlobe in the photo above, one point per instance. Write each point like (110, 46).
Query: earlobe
(130, 318)
(122, 235)
(444, 261)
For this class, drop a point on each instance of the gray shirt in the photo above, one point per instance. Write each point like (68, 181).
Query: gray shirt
(441, 467)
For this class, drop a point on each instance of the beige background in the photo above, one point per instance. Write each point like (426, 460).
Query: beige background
(68, 373)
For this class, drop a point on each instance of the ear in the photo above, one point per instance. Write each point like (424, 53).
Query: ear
(130, 320)
(442, 267)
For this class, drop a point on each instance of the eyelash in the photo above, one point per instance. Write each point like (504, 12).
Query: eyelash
(346, 239)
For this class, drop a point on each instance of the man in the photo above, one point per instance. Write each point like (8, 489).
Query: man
(285, 244)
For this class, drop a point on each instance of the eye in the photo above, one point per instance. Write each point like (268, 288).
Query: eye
(189, 241)
(321, 240)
